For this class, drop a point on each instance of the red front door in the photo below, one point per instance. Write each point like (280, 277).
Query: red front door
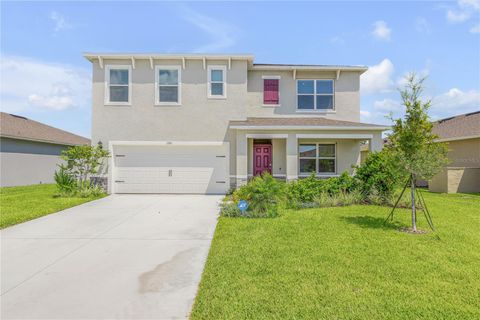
(262, 158)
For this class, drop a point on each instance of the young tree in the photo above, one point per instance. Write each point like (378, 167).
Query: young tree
(412, 142)
(83, 161)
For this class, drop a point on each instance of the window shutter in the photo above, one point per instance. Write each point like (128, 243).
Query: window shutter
(270, 91)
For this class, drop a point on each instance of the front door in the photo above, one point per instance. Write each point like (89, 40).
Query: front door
(262, 159)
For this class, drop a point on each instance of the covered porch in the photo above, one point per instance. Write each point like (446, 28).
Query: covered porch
(294, 151)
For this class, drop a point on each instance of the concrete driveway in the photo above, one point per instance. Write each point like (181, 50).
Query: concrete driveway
(121, 257)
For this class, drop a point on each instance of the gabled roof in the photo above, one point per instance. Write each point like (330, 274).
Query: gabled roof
(18, 127)
(303, 123)
(459, 127)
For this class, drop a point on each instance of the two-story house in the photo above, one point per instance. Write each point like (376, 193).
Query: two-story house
(189, 123)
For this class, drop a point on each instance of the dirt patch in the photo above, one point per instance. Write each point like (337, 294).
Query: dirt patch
(410, 230)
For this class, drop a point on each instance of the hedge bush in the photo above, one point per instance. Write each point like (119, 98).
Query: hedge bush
(377, 175)
(303, 192)
(263, 194)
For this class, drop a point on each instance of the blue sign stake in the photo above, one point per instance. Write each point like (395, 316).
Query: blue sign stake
(242, 205)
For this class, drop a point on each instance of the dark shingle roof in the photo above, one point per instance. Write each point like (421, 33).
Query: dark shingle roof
(17, 127)
(465, 125)
(302, 121)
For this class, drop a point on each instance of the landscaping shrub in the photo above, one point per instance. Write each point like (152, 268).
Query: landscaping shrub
(339, 199)
(73, 177)
(377, 176)
(343, 184)
(66, 183)
(230, 209)
(263, 194)
(303, 191)
(89, 190)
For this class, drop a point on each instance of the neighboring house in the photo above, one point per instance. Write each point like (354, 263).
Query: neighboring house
(29, 150)
(205, 123)
(462, 174)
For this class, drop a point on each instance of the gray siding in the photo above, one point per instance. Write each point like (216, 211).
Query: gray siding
(26, 146)
(27, 162)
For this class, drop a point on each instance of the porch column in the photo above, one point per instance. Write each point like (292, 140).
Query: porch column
(376, 143)
(292, 157)
(242, 162)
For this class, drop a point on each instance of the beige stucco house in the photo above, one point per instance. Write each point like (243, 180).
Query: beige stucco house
(462, 174)
(205, 123)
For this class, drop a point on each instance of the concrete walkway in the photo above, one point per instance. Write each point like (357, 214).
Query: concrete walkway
(121, 257)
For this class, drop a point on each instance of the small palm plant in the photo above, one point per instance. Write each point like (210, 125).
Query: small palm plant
(66, 182)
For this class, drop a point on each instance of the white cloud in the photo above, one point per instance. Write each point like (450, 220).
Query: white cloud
(59, 21)
(457, 16)
(381, 31)
(387, 105)
(422, 25)
(222, 34)
(423, 73)
(456, 101)
(365, 113)
(28, 85)
(378, 78)
(475, 29)
(463, 12)
(473, 4)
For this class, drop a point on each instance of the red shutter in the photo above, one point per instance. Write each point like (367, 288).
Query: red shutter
(270, 91)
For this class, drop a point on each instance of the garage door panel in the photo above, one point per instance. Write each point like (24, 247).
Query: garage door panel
(166, 169)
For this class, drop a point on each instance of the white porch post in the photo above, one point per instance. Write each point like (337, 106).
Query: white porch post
(376, 143)
(242, 162)
(292, 157)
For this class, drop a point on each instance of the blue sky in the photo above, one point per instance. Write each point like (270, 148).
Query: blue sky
(45, 77)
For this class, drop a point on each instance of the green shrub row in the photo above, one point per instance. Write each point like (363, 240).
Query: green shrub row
(374, 182)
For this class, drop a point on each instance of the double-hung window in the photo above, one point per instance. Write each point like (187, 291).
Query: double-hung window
(168, 85)
(319, 158)
(118, 85)
(318, 95)
(217, 82)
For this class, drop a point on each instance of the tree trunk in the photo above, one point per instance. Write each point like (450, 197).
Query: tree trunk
(414, 213)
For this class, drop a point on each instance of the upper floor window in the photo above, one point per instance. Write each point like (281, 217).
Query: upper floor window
(315, 95)
(216, 82)
(118, 84)
(271, 86)
(167, 85)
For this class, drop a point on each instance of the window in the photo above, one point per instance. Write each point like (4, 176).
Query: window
(117, 85)
(317, 157)
(315, 95)
(167, 85)
(271, 90)
(216, 82)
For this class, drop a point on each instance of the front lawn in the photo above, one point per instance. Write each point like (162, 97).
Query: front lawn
(342, 263)
(20, 204)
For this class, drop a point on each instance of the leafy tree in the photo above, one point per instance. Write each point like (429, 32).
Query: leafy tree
(83, 161)
(412, 143)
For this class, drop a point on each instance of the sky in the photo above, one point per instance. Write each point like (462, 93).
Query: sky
(45, 77)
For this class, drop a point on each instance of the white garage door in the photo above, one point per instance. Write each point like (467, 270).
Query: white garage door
(171, 169)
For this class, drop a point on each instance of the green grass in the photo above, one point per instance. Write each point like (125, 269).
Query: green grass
(343, 263)
(20, 204)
